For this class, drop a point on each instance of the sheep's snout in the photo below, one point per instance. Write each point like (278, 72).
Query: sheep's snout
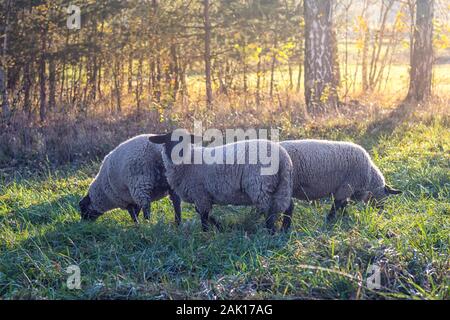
(86, 212)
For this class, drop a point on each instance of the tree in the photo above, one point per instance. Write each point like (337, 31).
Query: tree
(3, 68)
(422, 53)
(320, 85)
(207, 25)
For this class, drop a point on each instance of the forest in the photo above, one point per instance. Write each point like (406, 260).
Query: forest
(78, 77)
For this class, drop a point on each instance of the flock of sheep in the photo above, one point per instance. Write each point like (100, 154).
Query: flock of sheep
(141, 170)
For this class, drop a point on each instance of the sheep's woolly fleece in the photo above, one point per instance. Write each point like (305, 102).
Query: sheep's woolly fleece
(236, 184)
(323, 168)
(133, 173)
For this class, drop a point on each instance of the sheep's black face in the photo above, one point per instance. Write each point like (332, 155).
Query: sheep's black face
(380, 195)
(86, 212)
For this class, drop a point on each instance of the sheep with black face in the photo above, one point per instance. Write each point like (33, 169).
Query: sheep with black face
(342, 170)
(237, 183)
(130, 178)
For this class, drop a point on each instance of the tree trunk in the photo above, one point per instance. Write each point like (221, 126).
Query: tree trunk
(300, 64)
(3, 69)
(422, 53)
(42, 78)
(207, 27)
(272, 66)
(99, 80)
(4, 94)
(290, 72)
(158, 92)
(139, 84)
(175, 70)
(117, 84)
(27, 88)
(320, 89)
(130, 73)
(365, 52)
(52, 85)
(258, 80)
(299, 75)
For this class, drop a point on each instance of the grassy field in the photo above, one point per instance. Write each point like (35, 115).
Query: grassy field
(41, 235)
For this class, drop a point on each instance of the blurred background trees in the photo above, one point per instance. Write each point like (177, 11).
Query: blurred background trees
(142, 55)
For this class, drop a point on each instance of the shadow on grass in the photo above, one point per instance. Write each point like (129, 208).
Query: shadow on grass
(43, 213)
(115, 257)
(385, 125)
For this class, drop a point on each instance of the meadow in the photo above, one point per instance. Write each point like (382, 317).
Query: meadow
(73, 85)
(41, 235)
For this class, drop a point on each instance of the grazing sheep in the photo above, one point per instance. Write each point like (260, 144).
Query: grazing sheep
(236, 183)
(130, 177)
(343, 170)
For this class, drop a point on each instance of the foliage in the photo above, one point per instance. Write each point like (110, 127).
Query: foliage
(40, 236)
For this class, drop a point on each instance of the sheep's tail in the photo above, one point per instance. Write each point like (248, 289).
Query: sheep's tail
(283, 193)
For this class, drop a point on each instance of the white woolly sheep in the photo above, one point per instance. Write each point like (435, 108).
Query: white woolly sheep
(130, 178)
(342, 170)
(237, 183)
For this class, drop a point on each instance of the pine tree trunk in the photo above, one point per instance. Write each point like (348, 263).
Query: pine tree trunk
(175, 70)
(27, 88)
(4, 94)
(130, 73)
(299, 76)
(273, 65)
(52, 86)
(258, 81)
(42, 79)
(117, 84)
(139, 85)
(3, 69)
(300, 65)
(422, 53)
(207, 27)
(320, 89)
(158, 78)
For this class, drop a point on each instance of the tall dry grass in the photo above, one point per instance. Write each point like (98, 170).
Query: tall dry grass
(71, 137)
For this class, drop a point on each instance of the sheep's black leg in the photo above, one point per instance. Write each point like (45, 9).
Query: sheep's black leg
(137, 210)
(176, 202)
(216, 223)
(133, 210)
(204, 216)
(338, 205)
(205, 221)
(287, 219)
(332, 214)
(270, 222)
(146, 210)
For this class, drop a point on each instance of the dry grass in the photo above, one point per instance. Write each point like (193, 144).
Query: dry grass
(40, 232)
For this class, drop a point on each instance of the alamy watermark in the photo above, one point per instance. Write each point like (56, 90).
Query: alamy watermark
(74, 279)
(373, 280)
(252, 147)
(74, 18)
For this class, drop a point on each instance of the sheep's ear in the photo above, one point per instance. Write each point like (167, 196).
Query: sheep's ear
(161, 138)
(390, 190)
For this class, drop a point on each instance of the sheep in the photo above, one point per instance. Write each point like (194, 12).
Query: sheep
(130, 178)
(238, 183)
(342, 170)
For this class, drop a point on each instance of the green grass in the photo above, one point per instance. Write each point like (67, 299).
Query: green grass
(41, 235)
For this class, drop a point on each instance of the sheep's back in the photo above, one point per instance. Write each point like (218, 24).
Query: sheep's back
(321, 167)
(135, 163)
(241, 182)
